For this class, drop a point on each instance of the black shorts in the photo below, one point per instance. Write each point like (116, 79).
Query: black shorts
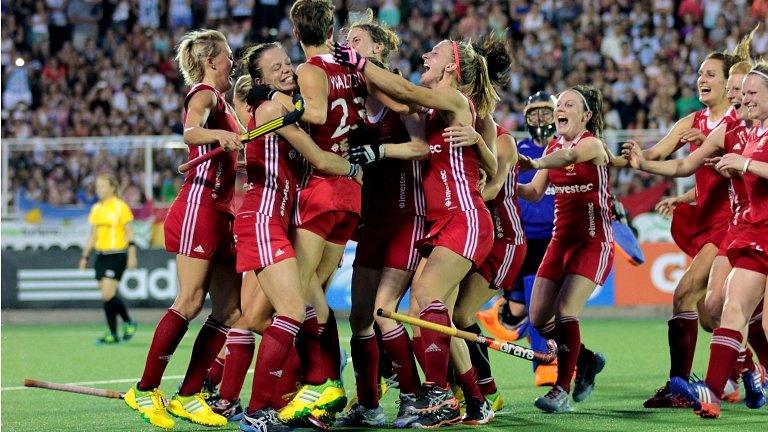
(110, 265)
(534, 254)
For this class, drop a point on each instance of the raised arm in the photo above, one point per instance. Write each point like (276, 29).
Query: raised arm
(314, 88)
(506, 154)
(590, 149)
(669, 143)
(678, 167)
(195, 132)
(534, 190)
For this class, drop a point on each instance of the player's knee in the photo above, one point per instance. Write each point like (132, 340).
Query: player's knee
(360, 321)
(189, 305)
(733, 316)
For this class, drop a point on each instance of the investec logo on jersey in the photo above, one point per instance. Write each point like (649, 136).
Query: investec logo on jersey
(448, 194)
(572, 189)
(435, 148)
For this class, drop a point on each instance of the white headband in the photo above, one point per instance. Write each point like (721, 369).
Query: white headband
(584, 99)
(755, 71)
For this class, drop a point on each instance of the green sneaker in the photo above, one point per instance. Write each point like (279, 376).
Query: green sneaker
(325, 399)
(496, 401)
(108, 339)
(129, 330)
(195, 409)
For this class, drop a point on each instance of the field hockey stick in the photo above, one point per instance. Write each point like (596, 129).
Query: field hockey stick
(270, 126)
(505, 347)
(71, 388)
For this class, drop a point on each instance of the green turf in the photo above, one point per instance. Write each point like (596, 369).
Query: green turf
(635, 349)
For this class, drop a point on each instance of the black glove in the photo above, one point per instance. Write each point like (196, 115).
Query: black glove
(365, 154)
(260, 92)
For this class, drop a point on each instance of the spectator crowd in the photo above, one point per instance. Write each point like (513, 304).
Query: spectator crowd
(79, 68)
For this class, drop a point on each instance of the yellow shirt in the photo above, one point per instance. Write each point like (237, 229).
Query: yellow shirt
(109, 218)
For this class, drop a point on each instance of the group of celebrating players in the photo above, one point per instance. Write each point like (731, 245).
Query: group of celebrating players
(426, 182)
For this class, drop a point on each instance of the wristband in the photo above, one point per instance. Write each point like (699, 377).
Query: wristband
(381, 151)
(746, 165)
(353, 169)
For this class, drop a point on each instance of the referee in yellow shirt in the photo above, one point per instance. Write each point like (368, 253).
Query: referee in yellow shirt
(112, 239)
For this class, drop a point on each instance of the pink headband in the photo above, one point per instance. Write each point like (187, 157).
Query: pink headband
(456, 59)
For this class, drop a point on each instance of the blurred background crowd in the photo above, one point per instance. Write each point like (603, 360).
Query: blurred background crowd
(81, 68)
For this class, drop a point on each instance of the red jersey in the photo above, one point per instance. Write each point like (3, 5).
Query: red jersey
(346, 104)
(736, 137)
(272, 174)
(712, 197)
(212, 183)
(391, 186)
(451, 175)
(582, 198)
(756, 215)
(504, 208)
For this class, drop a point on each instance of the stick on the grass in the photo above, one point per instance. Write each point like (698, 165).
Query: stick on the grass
(505, 347)
(72, 388)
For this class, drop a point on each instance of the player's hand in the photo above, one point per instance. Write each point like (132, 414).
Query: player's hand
(526, 164)
(461, 136)
(83, 264)
(229, 141)
(482, 181)
(731, 163)
(347, 56)
(631, 151)
(666, 206)
(365, 154)
(693, 135)
(261, 92)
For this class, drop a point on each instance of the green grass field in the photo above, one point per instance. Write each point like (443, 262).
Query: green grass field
(635, 349)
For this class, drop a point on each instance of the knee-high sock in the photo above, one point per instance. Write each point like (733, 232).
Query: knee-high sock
(110, 311)
(436, 345)
(288, 384)
(207, 345)
(398, 348)
(121, 308)
(217, 368)
(418, 352)
(309, 350)
(168, 333)
(365, 360)
(329, 343)
(468, 383)
(385, 363)
(240, 347)
(723, 352)
(756, 336)
(682, 334)
(569, 344)
(478, 353)
(275, 350)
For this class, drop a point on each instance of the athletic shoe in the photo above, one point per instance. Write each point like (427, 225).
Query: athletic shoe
(151, 405)
(446, 415)
(491, 320)
(108, 339)
(496, 400)
(194, 409)
(664, 398)
(431, 398)
(329, 396)
(404, 412)
(702, 399)
(555, 401)
(232, 411)
(754, 395)
(545, 375)
(210, 391)
(585, 377)
(129, 330)
(731, 393)
(479, 412)
(264, 420)
(362, 416)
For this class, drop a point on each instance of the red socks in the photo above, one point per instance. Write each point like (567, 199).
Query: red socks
(365, 359)
(398, 348)
(569, 343)
(275, 350)
(168, 333)
(723, 352)
(468, 383)
(436, 345)
(207, 345)
(682, 334)
(217, 369)
(240, 347)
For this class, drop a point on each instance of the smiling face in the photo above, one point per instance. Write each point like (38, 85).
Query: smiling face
(711, 82)
(755, 97)
(277, 70)
(570, 115)
(436, 62)
(361, 41)
(221, 68)
(734, 95)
